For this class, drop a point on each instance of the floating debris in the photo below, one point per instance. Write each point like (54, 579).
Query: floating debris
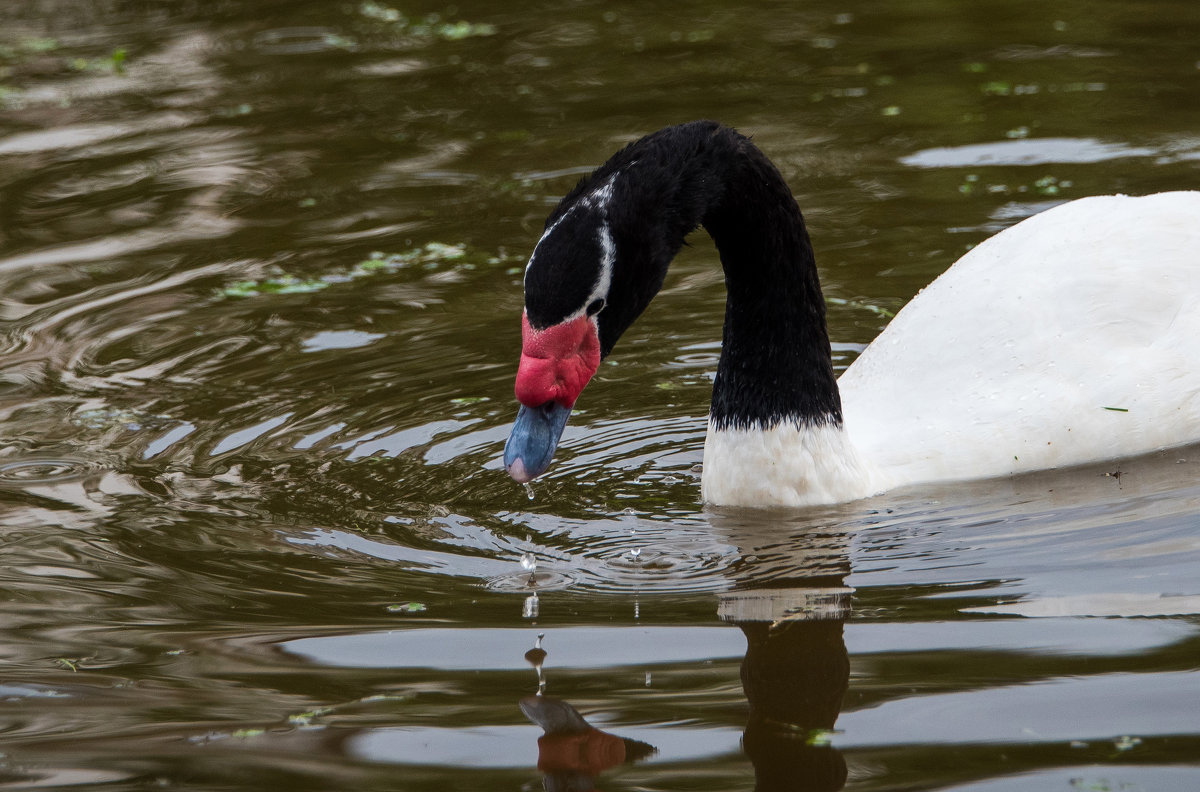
(429, 256)
(407, 607)
(429, 26)
(819, 737)
(878, 310)
(304, 720)
(245, 734)
(1127, 743)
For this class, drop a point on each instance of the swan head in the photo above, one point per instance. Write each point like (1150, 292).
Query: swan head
(588, 278)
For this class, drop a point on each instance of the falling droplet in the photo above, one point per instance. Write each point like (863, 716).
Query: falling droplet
(647, 679)
(528, 489)
(530, 608)
(529, 562)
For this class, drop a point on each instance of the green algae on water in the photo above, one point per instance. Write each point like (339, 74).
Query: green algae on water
(429, 26)
(430, 256)
(407, 607)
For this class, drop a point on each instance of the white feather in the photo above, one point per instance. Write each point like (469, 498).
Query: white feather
(785, 465)
(1072, 337)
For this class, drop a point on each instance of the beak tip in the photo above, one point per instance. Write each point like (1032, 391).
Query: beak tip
(516, 469)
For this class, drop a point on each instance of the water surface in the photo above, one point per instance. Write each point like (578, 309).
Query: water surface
(259, 317)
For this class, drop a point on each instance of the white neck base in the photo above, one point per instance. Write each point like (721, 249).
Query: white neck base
(785, 466)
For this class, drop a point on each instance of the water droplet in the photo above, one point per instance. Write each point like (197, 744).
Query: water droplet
(529, 562)
(530, 608)
(637, 551)
(528, 489)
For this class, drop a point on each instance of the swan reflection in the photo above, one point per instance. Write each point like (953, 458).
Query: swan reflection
(794, 674)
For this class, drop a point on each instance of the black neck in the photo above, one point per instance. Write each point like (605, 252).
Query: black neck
(775, 362)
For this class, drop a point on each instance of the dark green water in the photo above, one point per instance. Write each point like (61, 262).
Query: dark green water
(255, 531)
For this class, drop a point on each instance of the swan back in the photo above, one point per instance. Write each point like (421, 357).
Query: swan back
(1071, 337)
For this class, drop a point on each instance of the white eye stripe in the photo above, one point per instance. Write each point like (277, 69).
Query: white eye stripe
(597, 199)
(608, 250)
(599, 291)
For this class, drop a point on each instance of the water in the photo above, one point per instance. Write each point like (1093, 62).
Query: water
(259, 300)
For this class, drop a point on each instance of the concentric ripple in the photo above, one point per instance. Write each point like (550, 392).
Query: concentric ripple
(24, 472)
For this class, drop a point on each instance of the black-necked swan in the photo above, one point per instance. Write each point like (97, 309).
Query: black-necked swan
(1072, 337)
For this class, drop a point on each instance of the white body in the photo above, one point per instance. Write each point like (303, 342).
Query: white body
(1007, 363)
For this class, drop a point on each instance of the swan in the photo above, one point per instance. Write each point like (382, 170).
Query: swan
(1071, 337)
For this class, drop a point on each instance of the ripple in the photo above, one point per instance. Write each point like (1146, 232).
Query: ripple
(508, 746)
(1032, 151)
(1099, 605)
(67, 137)
(63, 777)
(679, 566)
(503, 648)
(298, 40)
(530, 583)
(611, 449)
(23, 472)
(657, 561)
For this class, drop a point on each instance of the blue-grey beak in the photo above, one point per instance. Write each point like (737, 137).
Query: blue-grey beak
(534, 437)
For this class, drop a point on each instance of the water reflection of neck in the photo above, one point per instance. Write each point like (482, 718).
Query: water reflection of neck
(794, 675)
(791, 602)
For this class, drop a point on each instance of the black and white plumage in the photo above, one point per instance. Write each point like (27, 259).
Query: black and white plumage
(1004, 364)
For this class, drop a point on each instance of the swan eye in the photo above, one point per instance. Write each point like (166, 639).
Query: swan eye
(595, 307)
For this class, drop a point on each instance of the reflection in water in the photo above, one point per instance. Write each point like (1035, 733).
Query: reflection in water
(536, 657)
(795, 674)
(796, 670)
(572, 752)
